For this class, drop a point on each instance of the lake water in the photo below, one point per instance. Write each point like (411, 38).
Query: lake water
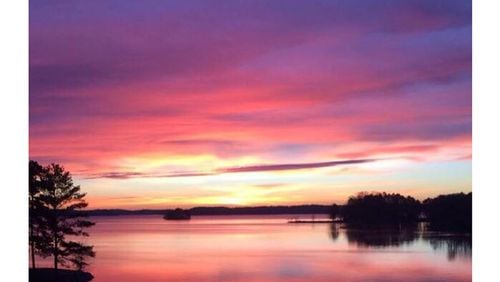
(267, 248)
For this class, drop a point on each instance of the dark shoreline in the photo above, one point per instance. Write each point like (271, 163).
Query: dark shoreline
(200, 211)
(62, 275)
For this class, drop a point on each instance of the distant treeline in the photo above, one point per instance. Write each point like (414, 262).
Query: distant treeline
(261, 210)
(445, 212)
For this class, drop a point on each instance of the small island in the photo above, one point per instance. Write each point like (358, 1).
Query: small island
(177, 214)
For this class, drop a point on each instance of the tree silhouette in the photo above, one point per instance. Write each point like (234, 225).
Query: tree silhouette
(77, 254)
(334, 211)
(59, 200)
(452, 212)
(37, 233)
(381, 208)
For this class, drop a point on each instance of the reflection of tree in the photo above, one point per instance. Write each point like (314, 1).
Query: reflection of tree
(382, 236)
(334, 231)
(455, 246)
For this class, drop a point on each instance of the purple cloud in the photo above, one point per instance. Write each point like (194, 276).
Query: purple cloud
(253, 168)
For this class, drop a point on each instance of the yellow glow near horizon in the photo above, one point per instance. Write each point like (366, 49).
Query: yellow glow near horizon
(386, 164)
(205, 163)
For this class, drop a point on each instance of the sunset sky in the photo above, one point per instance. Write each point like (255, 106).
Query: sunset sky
(159, 104)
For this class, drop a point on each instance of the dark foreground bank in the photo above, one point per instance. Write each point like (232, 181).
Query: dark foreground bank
(62, 275)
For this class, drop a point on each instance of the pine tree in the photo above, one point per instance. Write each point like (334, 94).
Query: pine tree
(37, 233)
(61, 200)
(78, 254)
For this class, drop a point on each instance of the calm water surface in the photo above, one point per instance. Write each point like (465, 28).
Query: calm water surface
(267, 248)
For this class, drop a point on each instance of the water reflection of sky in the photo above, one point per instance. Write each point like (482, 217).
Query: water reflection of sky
(416, 238)
(249, 248)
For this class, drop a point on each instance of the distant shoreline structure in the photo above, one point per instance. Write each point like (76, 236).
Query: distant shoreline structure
(177, 214)
(313, 221)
